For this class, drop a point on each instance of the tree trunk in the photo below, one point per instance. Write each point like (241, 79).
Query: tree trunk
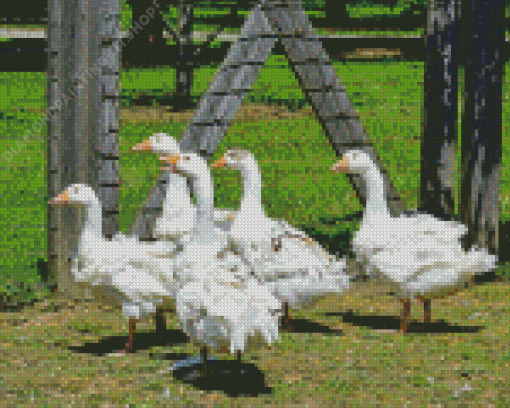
(437, 182)
(184, 67)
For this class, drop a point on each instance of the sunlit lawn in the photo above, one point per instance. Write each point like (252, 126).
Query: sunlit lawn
(362, 366)
(292, 149)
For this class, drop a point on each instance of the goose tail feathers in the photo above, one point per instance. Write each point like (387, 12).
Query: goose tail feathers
(480, 261)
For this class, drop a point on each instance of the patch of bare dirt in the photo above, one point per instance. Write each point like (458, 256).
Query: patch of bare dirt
(248, 111)
(372, 53)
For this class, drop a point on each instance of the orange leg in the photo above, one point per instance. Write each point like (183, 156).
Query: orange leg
(224, 350)
(132, 330)
(405, 319)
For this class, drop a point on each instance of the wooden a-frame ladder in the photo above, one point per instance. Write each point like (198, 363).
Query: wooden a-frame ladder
(271, 21)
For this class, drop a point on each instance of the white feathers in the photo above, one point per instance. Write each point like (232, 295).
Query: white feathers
(420, 253)
(176, 220)
(214, 311)
(296, 268)
(219, 301)
(124, 265)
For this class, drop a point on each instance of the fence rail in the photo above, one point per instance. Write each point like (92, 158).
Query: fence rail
(18, 33)
(28, 54)
(26, 51)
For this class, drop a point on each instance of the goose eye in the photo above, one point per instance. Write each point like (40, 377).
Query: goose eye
(186, 157)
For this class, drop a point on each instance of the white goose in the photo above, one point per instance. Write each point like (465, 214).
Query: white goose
(125, 266)
(294, 266)
(219, 301)
(421, 254)
(176, 220)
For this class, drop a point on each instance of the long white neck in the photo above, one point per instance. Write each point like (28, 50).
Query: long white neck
(204, 217)
(177, 194)
(376, 195)
(251, 203)
(92, 226)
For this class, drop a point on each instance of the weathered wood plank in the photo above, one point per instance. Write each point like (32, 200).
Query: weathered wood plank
(437, 182)
(218, 107)
(83, 134)
(322, 87)
(105, 93)
(55, 85)
(482, 121)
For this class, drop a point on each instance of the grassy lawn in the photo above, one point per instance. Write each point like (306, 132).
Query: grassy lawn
(364, 365)
(463, 365)
(292, 149)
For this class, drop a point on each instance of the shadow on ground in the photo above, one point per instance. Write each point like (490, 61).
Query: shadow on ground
(393, 323)
(141, 341)
(232, 377)
(306, 326)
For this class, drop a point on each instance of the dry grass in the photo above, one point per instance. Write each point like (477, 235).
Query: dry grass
(248, 111)
(361, 367)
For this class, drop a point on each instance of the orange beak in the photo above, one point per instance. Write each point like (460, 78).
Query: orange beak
(171, 161)
(62, 198)
(341, 167)
(145, 146)
(219, 163)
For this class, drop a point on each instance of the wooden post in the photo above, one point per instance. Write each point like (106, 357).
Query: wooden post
(234, 79)
(81, 138)
(55, 38)
(60, 142)
(482, 120)
(437, 182)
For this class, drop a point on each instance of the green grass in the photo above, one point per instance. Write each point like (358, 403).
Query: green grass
(294, 153)
(366, 9)
(126, 16)
(362, 367)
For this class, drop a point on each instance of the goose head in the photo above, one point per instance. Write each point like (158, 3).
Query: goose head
(353, 161)
(236, 159)
(76, 194)
(160, 143)
(188, 164)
